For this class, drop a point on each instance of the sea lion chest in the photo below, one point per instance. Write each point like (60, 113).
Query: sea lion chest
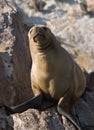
(51, 73)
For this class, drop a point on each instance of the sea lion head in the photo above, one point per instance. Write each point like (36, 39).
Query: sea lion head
(40, 36)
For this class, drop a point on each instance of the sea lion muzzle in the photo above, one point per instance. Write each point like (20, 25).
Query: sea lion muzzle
(39, 37)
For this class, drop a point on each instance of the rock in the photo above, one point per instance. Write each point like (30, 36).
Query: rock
(37, 5)
(90, 80)
(5, 122)
(31, 120)
(3, 82)
(35, 120)
(85, 110)
(15, 55)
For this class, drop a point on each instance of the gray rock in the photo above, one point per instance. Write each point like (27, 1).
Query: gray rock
(14, 53)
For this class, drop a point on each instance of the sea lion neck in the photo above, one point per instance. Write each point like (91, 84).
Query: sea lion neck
(42, 51)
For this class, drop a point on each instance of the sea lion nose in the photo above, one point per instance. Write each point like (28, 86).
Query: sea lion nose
(41, 28)
(44, 28)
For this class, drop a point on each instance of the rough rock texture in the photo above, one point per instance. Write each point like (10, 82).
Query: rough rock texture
(37, 5)
(85, 110)
(2, 81)
(76, 33)
(15, 57)
(31, 120)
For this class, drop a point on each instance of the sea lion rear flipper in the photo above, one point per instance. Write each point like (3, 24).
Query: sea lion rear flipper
(65, 111)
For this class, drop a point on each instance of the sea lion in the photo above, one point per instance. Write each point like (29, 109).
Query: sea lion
(55, 75)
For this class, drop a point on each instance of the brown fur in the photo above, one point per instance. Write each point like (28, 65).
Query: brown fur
(54, 73)
(53, 70)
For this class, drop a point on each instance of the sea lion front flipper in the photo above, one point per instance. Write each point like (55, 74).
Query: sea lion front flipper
(34, 102)
(63, 109)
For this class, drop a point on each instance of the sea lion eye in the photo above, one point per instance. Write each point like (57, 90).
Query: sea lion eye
(44, 28)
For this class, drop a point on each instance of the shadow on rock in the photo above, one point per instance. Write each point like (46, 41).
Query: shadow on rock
(6, 123)
(84, 107)
(67, 1)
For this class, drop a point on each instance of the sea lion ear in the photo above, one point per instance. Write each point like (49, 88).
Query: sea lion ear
(29, 32)
(30, 29)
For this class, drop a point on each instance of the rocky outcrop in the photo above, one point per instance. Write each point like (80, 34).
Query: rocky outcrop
(2, 82)
(15, 57)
